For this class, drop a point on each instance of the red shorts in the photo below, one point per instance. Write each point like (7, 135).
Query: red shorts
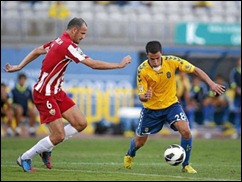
(51, 107)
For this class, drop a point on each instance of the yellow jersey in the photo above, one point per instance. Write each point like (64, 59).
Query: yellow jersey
(162, 82)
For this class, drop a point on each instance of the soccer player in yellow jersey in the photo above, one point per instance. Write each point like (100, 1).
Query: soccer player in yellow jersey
(157, 91)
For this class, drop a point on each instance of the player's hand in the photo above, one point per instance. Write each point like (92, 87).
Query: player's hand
(148, 94)
(218, 89)
(126, 60)
(11, 68)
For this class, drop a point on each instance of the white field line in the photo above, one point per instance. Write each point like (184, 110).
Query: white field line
(113, 172)
(117, 163)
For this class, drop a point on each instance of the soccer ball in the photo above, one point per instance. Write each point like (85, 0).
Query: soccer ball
(174, 154)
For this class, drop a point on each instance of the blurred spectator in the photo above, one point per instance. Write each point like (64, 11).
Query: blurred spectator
(32, 3)
(121, 3)
(235, 83)
(23, 105)
(207, 5)
(59, 12)
(219, 108)
(147, 3)
(198, 93)
(6, 109)
(103, 2)
(137, 4)
(202, 4)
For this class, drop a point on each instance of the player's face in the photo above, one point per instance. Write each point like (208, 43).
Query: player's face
(79, 34)
(154, 59)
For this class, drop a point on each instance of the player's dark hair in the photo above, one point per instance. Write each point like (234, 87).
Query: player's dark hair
(153, 47)
(75, 22)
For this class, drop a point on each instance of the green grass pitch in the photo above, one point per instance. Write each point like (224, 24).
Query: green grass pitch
(101, 159)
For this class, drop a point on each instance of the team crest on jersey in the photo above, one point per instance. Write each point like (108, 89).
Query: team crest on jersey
(141, 88)
(52, 111)
(59, 41)
(188, 67)
(168, 74)
(80, 51)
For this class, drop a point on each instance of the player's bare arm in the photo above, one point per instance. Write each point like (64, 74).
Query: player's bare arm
(145, 97)
(29, 58)
(217, 88)
(102, 65)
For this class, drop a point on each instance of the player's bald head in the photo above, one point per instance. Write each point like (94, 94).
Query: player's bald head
(75, 22)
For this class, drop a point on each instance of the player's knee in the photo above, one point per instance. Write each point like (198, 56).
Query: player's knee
(186, 134)
(81, 125)
(57, 138)
(139, 143)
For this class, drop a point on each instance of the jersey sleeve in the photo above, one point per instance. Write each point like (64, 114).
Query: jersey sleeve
(182, 64)
(75, 53)
(47, 45)
(186, 66)
(141, 82)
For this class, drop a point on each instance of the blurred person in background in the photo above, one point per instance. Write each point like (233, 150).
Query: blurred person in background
(218, 107)
(202, 4)
(59, 12)
(235, 84)
(32, 3)
(50, 99)
(103, 2)
(6, 110)
(156, 85)
(198, 94)
(207, 5)
(23, 105)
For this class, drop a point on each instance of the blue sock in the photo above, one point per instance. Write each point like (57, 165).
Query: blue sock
(187, 145)
(132, 148)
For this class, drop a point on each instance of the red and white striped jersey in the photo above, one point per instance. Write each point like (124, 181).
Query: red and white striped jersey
(60, 53)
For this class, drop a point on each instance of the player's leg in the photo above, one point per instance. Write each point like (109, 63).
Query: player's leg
(135, 144)
(150, 122)
(70, 111)
(56, 136)
(186, 138)
(76, 119)
(186, 142)
(177, 119)
(49, 113)
(237, 119)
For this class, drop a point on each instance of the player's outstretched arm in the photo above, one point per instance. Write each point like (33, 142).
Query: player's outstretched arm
(29, 58)
(216, 88)
(102, 65)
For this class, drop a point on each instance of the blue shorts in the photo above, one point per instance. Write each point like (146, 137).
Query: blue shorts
(152, 121)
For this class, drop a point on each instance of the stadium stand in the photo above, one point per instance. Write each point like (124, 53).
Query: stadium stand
(110, 21)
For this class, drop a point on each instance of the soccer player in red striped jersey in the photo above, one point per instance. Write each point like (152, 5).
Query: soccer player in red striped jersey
(51, 101)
